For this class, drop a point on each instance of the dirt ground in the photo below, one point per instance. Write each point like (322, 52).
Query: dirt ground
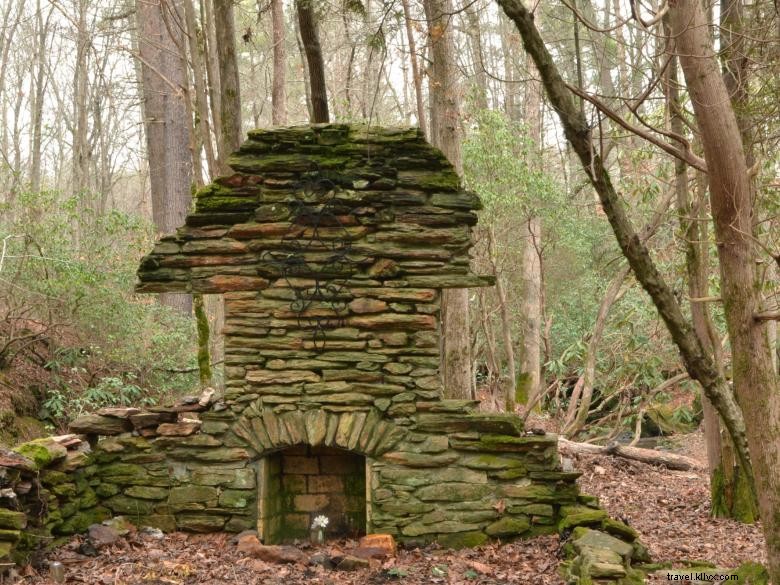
(669, 508)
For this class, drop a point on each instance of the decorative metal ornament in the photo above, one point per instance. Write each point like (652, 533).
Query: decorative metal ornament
(318, 247)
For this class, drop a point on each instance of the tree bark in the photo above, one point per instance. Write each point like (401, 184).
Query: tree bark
(231, 135)
(81, 151)
(204, 356)
(279, 84)
(755, 383)
(307, 24)
(506, 324)
(456, 371)
(212, 69)
(38, 98)
(529, 377)
(203, 126)
(480, 85)
(416, 76)
(729, 487)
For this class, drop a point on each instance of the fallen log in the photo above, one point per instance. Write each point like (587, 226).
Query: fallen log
(670, 460)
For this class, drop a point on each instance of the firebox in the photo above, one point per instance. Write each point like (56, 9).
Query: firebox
(302, 482)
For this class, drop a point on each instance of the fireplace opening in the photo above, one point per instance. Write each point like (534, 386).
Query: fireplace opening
(302, 482)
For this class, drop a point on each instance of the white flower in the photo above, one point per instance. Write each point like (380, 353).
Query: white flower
(320, 522)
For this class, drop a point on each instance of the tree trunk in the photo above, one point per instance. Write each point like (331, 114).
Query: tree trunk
(204, 356)
(729, 487)
(480, 85)
(38, 98)
(529, 379)
(416, 76)
(307, 24)
(530, 374)
(755, 383)
(456, 372)
(81, 151)
(491, 355)
(203, 126)
(577, 413)
(212, 69)
(670, 460)
(279, 84)
(230, 111)
(506, 324)
(166, 122)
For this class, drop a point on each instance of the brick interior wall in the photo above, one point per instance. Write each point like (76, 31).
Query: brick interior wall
(303, 482)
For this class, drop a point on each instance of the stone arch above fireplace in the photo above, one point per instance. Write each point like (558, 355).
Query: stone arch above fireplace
(367, 432)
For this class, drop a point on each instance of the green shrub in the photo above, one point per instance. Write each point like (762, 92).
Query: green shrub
(66, 283)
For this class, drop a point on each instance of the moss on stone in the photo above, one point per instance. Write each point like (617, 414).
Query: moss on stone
(462, 539)
(752, 574)
(164, 522)
(633, 577)
(10, 535)
(508, 526)
(146, 492)
(239, 524)
(236, 498)
(211, 204)
(42, 452)
(5, 549)
(578, 516)
(82, 520)
(200, 522)
(12, 520)
(192, 494)
(106, 490)
(640, 553)
(121, 504)
(619, 529)
(64, 490)
(491, 462)
(51, 477)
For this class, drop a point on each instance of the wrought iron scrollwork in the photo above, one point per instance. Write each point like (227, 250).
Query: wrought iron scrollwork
(317, 247)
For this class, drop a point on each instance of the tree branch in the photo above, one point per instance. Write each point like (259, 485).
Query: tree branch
(767, 316)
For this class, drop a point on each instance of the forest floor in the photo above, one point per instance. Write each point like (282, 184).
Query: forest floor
(668, 508)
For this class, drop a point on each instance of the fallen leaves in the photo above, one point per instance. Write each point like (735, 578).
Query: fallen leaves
(220, 559)
(670, 509)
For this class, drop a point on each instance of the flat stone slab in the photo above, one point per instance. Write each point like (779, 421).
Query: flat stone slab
(586, 538)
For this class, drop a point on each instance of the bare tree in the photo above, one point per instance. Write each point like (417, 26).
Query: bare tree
(36, 147)
(166, 119)
(279, 89)
(310, 38)
(196, 50)
(416, 75)
(445, 134)
(231, 135)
